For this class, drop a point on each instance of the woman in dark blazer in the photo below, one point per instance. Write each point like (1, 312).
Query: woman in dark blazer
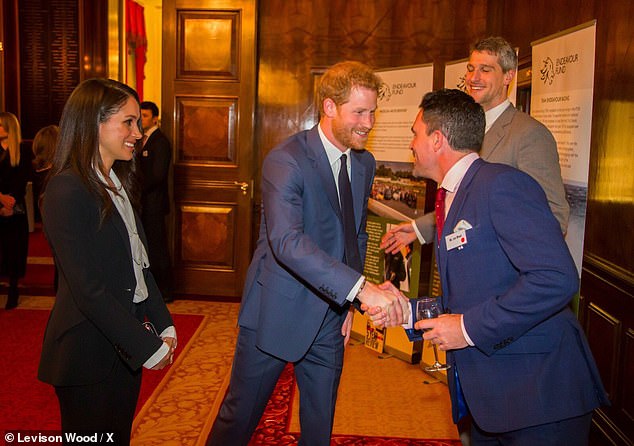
(15, 171)
(95, 342)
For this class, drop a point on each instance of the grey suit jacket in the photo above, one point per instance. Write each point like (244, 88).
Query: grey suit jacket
(518, 140)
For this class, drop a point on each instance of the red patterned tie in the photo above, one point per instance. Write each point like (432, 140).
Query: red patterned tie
(440, 210)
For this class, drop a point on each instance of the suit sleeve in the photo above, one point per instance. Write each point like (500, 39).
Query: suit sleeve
(426, 225)
(283, 198)
(537, 156)
(531, 239)
(72, 224)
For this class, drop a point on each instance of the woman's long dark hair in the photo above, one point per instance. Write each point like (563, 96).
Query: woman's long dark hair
(91, 103)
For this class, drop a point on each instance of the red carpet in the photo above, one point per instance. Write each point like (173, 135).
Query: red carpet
(273, 428)
(39, 276)
(28, 404)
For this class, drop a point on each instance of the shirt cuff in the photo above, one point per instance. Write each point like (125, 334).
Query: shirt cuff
(156, 357)
(420, 238)
(355, 289)
(464, 331)
(169, 332)
(409, 323)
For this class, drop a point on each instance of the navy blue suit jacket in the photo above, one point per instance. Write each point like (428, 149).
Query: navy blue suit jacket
(513, 281)
(297, 269)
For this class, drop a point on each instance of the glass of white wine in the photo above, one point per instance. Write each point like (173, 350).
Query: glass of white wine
(430, 308)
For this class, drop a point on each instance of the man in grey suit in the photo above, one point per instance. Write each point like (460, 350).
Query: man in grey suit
(511, 137)
(303, 278)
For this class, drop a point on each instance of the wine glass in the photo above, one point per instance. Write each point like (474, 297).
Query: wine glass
(429, 308)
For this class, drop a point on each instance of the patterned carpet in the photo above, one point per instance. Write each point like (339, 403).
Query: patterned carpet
(381, 401)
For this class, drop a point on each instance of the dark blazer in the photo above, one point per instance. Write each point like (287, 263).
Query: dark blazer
(297, 269)
(94, 321)
(516, 139)
(513, 281)
(154, 161)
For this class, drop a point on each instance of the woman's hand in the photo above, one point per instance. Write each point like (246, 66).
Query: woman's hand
(169, 357)
(7, 202)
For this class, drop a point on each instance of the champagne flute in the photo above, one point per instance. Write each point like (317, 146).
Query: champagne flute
(429, 308)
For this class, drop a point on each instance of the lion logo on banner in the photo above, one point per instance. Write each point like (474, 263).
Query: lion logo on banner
(547, 71)
(384, 92)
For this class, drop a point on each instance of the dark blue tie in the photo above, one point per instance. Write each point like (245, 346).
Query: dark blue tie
(352, 257)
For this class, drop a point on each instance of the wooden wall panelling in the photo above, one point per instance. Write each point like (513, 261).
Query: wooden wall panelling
(93, 16)
(11, 55)
(606, 293)
(61, 42)
(300, 38)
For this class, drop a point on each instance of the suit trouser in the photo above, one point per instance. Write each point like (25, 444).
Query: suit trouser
(255, 374)
(104, 407)
(570, 432)
(158, 252)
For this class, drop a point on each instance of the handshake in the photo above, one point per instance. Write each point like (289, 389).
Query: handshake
(384, 304)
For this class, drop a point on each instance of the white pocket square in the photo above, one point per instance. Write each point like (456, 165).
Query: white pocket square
(462, 224)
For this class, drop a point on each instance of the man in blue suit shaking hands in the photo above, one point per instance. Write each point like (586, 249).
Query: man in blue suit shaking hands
(306, 270)
(521, 365)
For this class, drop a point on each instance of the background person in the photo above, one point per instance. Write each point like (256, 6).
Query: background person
(43, 150)
(155, 156)
(95, 342)
(15, 172)
(511, 137)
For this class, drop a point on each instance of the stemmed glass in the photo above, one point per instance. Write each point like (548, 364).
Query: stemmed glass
(429, 308)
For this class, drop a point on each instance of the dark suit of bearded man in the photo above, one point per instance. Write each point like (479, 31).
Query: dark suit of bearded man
(307, 267)
(294, 300)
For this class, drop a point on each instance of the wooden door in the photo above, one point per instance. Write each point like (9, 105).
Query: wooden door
(209, 88)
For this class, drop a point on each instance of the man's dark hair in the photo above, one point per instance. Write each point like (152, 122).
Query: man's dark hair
(458, 117)
(147, 105)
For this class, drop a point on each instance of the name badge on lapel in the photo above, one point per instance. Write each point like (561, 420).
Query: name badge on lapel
(456, 240)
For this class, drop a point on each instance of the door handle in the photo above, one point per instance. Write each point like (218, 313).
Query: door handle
(244, 187)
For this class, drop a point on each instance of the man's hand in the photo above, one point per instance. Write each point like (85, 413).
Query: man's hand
(402, 299)
(383, 305)
(398, 237)
(346, 328)
(444, 331)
